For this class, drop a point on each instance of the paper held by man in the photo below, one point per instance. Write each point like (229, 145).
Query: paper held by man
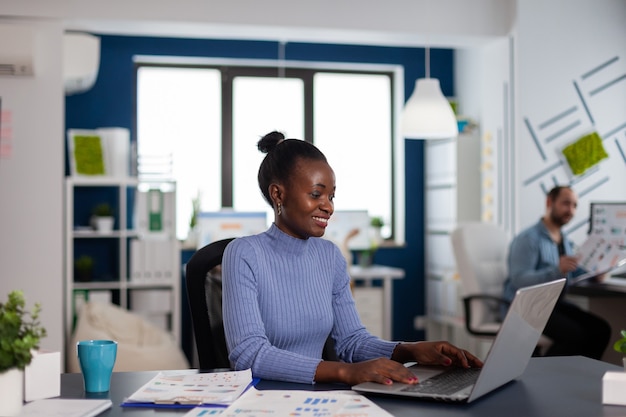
(599, 255)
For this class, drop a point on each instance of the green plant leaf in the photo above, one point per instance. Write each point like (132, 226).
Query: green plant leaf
(620, 345)
(20, 332)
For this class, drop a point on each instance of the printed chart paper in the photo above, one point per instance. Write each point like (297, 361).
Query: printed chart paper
(598, 255)
(257, 403)
(217, 388)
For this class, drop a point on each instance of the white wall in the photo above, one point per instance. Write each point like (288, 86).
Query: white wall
(484, 89)
(557, 43)
(31, 175)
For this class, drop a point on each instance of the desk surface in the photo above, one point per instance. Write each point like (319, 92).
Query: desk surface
(605, 299)
(376, 272)
(614, 287)
(567, 386)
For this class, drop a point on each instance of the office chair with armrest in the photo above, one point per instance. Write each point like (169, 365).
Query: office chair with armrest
(480, 250)
(204, 291)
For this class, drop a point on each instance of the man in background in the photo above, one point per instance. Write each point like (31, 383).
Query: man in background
(542, 253)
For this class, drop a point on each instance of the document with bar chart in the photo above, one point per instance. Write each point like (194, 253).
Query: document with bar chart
(257, 403)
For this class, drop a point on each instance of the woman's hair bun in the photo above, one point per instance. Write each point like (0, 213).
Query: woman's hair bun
(268, 142)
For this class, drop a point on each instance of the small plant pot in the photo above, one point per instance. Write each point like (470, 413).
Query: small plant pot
(365, 258)
(11, 392)
(103, 224)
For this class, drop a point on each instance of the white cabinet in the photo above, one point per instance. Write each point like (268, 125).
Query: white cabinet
(453, 195)
(373, 303)
(143, 218)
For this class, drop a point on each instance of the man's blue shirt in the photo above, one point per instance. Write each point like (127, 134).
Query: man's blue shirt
(534, 258)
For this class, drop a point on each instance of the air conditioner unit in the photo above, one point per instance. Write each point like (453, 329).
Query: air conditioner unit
(81, 61)
(15, 66)
(16, 50)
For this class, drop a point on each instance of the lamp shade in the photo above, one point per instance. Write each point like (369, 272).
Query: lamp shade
(428, 114)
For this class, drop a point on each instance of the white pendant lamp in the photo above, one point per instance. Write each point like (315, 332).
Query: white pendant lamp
(428, 114)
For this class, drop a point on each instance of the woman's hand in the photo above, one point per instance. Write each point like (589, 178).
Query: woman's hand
(387, 371)
(381, 370)
(435, 353)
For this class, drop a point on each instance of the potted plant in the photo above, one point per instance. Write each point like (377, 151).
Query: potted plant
(376, 224)
(102, 218)
(192, 234)
(620, 346)
(20, 333)
(83, 268)
(365, 257)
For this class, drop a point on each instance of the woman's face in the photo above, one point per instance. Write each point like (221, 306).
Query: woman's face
(307, 200)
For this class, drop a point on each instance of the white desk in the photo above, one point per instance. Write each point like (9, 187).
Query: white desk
(387, 274)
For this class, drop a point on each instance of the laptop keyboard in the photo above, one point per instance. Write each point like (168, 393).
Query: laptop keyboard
(446, 383)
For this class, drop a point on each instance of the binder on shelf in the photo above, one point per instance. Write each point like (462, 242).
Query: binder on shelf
(153, 305)
(154, 211)
(80, 297)
(102, 296)
(151, 261)
(136, 260)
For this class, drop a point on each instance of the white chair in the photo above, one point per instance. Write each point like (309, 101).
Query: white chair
(480, 250)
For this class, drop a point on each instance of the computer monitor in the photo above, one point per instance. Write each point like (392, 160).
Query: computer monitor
(608, 220)
(342, 222)
(218, 225)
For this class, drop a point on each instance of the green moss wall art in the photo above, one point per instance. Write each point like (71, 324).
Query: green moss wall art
(584, 153)
(87, 153)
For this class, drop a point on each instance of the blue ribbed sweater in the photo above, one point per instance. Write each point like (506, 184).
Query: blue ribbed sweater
(282, 297)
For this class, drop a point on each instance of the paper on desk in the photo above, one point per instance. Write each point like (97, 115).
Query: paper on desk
(204, 412)
(599, 255)
(65, 407)
(220, 388)
(256, 403)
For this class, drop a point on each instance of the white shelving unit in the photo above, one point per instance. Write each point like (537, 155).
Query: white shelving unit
(373, 303)
(113, 279)
(453, 195)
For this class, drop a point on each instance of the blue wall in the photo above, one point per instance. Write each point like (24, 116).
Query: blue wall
(111, 103)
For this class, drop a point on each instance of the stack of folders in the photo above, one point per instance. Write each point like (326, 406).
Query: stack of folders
(151, 261)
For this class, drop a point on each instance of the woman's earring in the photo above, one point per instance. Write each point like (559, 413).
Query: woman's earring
(280, 209)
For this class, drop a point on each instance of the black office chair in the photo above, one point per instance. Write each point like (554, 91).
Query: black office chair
(204, 291)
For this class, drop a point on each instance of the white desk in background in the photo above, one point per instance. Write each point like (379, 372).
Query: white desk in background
(371, 274)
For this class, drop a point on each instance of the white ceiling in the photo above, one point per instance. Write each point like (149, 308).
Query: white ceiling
(438, 23)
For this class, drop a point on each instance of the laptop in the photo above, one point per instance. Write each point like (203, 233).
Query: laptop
(507, 358)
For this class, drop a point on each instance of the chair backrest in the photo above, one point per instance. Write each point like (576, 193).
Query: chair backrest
(480, 250)
(204, 292)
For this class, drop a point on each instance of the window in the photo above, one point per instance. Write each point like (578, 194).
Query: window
(204, 121)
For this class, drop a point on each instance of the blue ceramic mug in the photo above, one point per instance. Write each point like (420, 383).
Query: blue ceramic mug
(96, 359)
